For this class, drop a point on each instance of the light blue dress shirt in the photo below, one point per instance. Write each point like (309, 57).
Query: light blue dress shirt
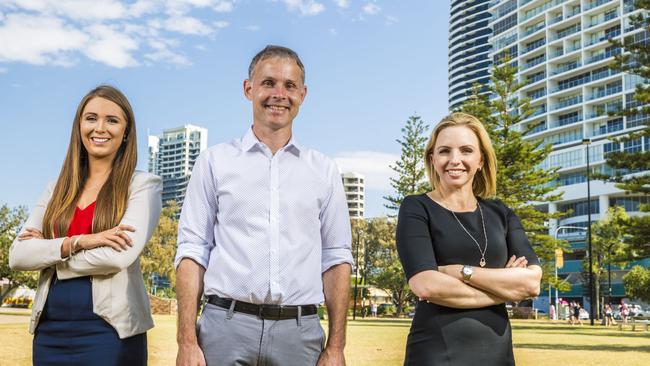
(264, 226)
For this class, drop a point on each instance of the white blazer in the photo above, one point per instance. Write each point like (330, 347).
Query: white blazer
(118, 291)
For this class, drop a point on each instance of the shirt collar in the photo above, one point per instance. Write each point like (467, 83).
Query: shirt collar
(250, 140)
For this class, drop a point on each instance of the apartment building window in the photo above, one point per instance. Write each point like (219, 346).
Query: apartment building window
(630, 204)
(535, 60)
(567, 31)
(568, 118)
(637, 119)
(537, 93)
(564, 137)
(566, 159)
(504, 24)
(573, 81)
(632, 146)
(505, 8)
(610, 147)
(567, 179)
(609, 126)
(535, 77)
(535, 44)
(580, 208)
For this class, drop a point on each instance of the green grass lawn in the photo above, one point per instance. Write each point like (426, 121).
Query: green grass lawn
(382, 342)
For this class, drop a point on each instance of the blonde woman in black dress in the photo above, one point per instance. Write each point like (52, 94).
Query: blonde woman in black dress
(464, 255)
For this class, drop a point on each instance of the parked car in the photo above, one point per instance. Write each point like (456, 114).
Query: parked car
(634, 310)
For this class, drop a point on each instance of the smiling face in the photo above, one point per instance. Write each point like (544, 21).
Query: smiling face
(276, 91)
(456, 157)
(102, 128)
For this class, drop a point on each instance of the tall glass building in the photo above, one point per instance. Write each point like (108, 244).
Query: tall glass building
(562, 51)
(469, 49)
(172, 156)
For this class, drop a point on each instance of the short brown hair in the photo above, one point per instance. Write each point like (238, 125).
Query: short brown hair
(275, 51)
(485, 181)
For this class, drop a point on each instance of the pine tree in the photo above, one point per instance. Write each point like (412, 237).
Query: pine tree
(410, 168)
(635, 60)
(521, 178)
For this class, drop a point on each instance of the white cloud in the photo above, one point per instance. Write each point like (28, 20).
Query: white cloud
(224, 6)
(187, 25)
(371, 9)
(305, 7)
(142, 7)
(163, 53)
(342, 3)
(333, 31)
(110, 47)
(221, 24)
(74, 9)
(375, 166)
(390, 20)
(39, 40)
(252, 28)
(3, 70)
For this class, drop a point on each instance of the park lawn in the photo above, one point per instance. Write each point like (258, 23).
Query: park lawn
(382, 342)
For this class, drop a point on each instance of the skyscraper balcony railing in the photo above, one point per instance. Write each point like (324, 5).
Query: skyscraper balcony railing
(540, 9)
(533, 46)
(607, 18)
(596, 3)
(567, 102)
(567, 67)
(604, 55)
(603, 38)
(533, 30)
(605, 92)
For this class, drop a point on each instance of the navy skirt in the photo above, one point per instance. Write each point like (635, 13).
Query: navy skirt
(70, 334)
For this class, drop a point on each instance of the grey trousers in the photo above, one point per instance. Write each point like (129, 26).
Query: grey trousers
(231, 338)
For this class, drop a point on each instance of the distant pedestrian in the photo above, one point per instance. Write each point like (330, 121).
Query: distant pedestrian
(576, 312)
(551, 312)
(609, 316)
(624, 310)
(373, 310)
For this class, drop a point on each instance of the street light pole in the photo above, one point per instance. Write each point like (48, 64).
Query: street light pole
(356, 277)
(587, 142)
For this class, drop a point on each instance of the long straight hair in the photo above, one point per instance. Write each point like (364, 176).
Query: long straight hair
(114, 194)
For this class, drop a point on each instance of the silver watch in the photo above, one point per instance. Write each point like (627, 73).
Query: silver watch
(466, 272)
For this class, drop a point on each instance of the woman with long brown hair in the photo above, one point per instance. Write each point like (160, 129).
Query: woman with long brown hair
(85, 236)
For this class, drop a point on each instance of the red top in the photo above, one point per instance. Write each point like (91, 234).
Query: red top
(82, 221)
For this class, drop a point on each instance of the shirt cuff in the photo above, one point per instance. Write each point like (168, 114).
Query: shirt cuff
(196, 253)
(332, 257)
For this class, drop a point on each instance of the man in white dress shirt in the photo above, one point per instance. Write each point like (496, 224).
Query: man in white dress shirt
(264, 234)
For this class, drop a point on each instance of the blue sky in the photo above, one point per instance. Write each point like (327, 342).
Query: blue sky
(369, 66)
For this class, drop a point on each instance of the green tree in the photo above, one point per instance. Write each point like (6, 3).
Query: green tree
(608, 247)
(522, 179)
(635, 61)
(637, 283)
(410, 168)
(158, 254)
(384, 267)
(11, 219)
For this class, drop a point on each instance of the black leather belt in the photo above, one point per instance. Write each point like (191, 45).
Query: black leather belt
(271, 312)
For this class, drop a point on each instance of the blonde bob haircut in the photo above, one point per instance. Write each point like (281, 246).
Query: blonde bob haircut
(484, 183)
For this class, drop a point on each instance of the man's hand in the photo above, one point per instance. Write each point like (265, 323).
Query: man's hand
(190, 355)
(331, 356)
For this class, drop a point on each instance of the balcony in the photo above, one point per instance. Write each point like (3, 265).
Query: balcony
(533, 30)
(604, 55)
(607, 18)
(603, 38)
(567, 102)
(595, 4)
(567, 32)
(566, 67)
(606, 92)
(567, 121)
(535, 62)
(533, 46)
(539, 128)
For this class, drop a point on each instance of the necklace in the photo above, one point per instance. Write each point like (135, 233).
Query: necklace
(484, 250)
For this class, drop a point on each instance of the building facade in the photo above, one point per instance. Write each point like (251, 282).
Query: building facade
(172, 156)
(469, 49)
(354, 187)
(563, 54)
